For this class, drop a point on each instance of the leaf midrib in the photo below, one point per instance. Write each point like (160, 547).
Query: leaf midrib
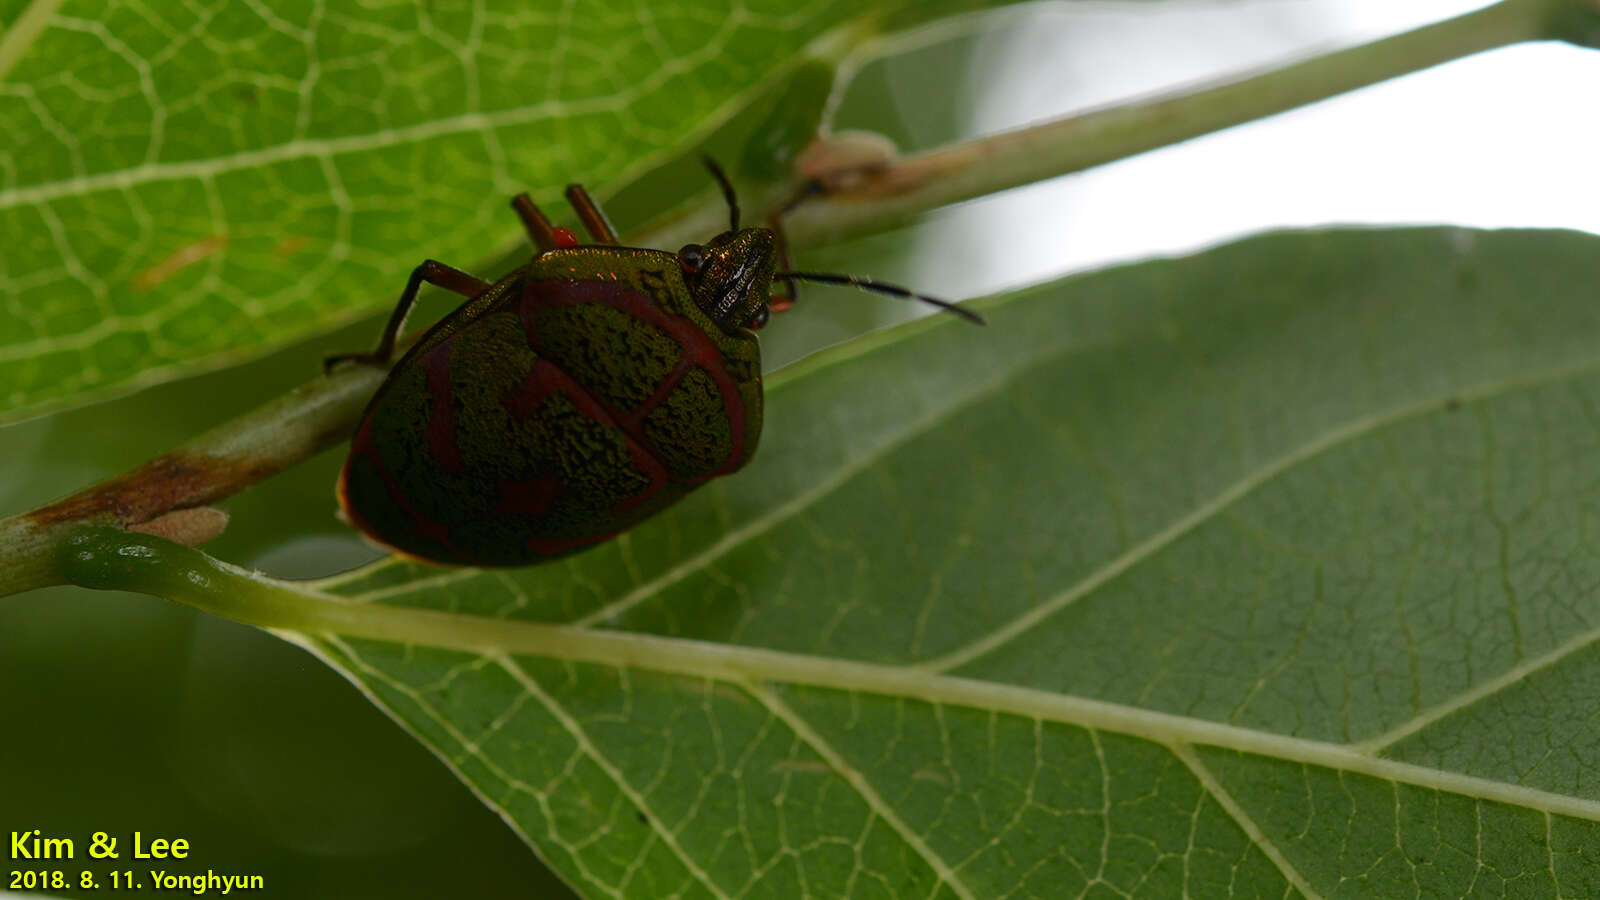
(743, 665)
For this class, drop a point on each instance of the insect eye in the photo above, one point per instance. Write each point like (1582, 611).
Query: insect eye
(763, 313)
(692, 257)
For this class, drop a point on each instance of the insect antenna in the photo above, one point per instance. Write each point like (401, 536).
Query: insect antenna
(893, 290)
(727, 191)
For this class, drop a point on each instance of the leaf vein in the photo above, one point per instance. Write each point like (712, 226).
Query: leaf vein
(744, 665)
(589, 749)
(857, 781)
(1208, 781)
(1164, 538)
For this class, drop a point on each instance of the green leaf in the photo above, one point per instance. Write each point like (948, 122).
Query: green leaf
(1265, 572)
(182, 186)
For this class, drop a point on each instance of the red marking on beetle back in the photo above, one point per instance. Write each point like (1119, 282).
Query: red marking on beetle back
(698, 350)
(565, 237)
(547, 378)
(544, 379)
(441, 428)
(651, 467)
(528, 498)
(361, 445)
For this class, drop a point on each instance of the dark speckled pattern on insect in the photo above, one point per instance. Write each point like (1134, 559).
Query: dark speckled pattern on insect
(574, 398)
(586, 397)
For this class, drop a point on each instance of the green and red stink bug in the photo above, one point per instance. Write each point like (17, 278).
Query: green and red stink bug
(573, 398)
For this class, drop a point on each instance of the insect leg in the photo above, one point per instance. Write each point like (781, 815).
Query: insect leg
(431, 271)
(540, 231)
(791, 291)
(589, 213)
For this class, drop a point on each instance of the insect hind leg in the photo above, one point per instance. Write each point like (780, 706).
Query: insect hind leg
(590, 214)
(540, 231)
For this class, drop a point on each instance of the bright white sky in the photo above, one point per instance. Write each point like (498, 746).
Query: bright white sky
(1507, 138)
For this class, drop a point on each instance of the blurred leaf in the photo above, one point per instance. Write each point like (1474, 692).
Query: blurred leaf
(184, 185)
(1260, 572)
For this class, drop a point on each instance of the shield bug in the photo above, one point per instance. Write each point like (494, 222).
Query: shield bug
(572, 399)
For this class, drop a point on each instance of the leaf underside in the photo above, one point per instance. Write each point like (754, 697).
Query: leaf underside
(182, 185)
(1266, 572)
